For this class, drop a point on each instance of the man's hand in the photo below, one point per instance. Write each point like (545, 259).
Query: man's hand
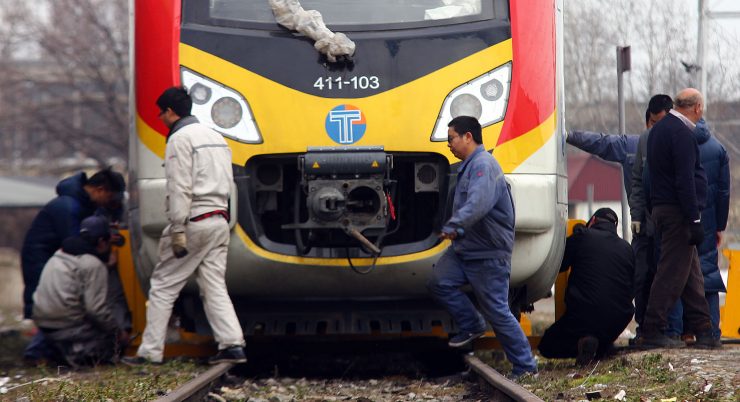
(179, 244)
(635, 228)
(448, 236)
(719, 238)
(696, 233)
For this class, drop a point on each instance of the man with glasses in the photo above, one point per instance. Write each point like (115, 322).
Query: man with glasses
(482, 233)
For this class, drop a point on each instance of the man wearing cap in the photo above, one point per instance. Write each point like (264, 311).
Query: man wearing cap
(78, 197)
(72, 305)
(199, 179)
(599, 293)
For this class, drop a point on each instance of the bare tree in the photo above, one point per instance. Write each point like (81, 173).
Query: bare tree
(71, 87)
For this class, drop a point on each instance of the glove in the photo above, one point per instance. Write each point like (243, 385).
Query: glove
(696, 233)
(635, 228)
(179, 244)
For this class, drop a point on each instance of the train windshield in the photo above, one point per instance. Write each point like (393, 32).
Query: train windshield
(361, 13)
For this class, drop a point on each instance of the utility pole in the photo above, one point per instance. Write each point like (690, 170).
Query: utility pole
(624, 63)
(701, 59)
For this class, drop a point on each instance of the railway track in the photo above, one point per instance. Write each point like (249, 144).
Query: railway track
(493, 384)
(502, 388)
(199, 387)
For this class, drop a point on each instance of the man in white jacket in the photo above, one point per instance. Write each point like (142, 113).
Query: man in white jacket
(199, 176)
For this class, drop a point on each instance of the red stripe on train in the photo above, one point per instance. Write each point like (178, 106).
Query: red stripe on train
(532, 95)
(157, 39)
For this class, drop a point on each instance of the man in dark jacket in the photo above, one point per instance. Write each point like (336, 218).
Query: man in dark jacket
(631, 152)
(643, 228)
(78, 197)
(716, 165)
(599, 293)
(678, 190)
(482, 232)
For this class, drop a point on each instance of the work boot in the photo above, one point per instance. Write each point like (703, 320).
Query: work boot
(705, 340)
(464, 338)
(233, 354)
(587, 348)
(659, 340)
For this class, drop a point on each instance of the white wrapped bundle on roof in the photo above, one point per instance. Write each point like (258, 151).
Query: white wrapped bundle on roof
(291, 15)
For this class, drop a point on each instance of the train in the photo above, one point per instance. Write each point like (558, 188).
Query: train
(342, 174)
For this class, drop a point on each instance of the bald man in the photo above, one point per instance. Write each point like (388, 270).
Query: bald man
(678, 188)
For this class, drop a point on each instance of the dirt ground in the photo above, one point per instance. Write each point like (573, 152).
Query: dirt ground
(683, 374)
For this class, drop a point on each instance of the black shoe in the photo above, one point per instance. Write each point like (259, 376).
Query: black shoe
(464, 338)
(233, 354)
(587, 348)
(136, 361)
(707, 341)
(655, 341)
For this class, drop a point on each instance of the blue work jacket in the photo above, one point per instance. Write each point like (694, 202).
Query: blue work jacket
(483, 209)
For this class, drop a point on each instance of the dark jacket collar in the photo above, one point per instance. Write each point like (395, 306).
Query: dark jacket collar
(184, 121)
(76, 245)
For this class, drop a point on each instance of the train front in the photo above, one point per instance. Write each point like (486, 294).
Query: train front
(342, 173)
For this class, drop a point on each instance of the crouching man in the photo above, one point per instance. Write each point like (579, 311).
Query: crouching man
(599, 293)
(71, 304)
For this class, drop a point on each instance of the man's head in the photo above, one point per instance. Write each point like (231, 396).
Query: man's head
(106, 188)
(464, 134)
(690, 103)
(658, 107)
(174, 104)
(603, 215)
(95, 230)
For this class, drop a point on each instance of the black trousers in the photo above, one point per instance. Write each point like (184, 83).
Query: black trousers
(645, 267)
(561, 339)
(678, 276)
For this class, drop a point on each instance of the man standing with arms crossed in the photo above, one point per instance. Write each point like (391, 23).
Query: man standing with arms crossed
(482, 232)
(678, 188)
(199, 176)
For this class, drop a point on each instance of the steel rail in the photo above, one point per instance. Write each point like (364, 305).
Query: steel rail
(197, 388)
(508, 388)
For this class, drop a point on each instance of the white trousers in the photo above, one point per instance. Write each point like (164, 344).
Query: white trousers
(207, 243)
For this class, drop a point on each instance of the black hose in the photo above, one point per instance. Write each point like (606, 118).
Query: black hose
(300, 248)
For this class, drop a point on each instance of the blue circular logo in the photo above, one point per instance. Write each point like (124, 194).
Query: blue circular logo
(345, 124)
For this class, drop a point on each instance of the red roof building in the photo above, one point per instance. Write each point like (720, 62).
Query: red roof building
(584, 170)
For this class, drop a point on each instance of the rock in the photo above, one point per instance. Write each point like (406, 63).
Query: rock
(411, 395)
(591, 395)
(620, 396)
(373, 382)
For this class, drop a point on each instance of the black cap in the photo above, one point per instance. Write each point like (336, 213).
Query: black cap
(606, 214)
(96, 227)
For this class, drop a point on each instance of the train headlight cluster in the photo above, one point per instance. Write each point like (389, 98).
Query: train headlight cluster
(484, 98)
(221, 108)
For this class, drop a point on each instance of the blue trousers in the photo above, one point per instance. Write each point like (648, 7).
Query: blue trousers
(675, 316)
(490, 282)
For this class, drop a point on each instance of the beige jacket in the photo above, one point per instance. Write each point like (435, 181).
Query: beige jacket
(198, 171)
(73, 289)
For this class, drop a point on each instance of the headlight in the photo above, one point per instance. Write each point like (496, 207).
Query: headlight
(221, 108)
(484, 98)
